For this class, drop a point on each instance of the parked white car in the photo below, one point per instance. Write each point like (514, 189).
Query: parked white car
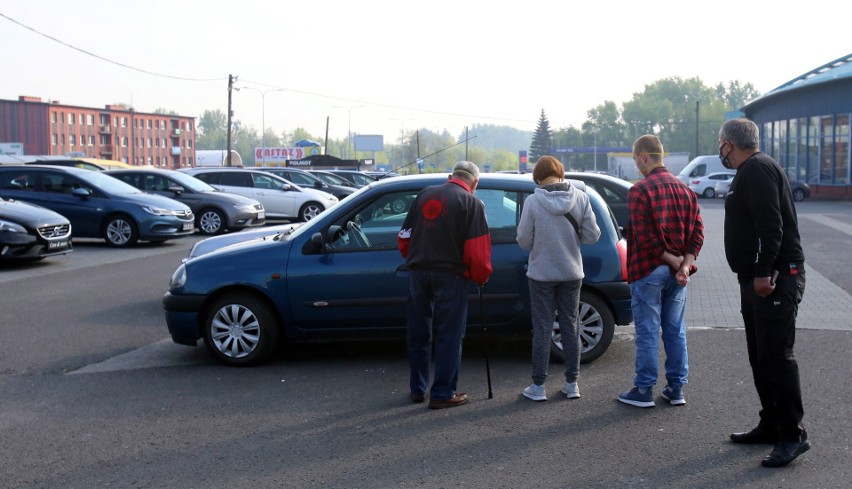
(706, 186)
(282, 199)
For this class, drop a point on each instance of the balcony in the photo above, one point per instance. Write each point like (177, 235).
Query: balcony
(175, 132)
(106, 129)
(175, 150)
(106, 149)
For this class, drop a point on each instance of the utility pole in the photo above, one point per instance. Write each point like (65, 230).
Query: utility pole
(697, 105)
(231, 80)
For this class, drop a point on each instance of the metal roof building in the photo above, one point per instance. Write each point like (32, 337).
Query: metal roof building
(805, 125)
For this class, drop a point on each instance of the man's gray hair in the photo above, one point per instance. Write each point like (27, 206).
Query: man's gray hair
(743, 133)
(466, 170)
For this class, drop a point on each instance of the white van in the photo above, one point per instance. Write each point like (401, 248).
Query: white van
(701, 166)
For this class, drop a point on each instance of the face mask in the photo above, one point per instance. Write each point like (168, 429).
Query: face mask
(725, 161)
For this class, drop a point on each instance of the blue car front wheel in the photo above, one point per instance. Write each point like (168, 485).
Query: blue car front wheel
(240, 329)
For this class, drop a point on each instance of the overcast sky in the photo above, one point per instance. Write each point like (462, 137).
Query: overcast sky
(376, 67)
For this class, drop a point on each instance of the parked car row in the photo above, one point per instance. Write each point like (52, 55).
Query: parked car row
(800, 190)
(341, 275)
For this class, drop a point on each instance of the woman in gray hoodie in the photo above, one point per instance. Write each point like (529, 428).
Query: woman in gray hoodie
(555, 268)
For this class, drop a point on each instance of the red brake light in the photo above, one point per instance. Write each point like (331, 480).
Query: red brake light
(621, 246)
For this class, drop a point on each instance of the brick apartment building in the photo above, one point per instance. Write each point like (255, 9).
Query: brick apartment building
(112, 133)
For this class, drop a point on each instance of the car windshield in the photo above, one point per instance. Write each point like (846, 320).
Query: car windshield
(107, 183)
(332, 179)
(191, 182)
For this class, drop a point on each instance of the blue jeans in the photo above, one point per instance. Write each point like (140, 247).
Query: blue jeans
(659, 302)
(437, 306)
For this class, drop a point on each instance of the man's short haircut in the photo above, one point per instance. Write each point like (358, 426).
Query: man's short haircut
(466, 170)
(743, 133)
(548, 166)
(650, 145)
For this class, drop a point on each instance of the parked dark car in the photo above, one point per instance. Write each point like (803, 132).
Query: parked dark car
(801, 190)
(613, 190)
(306, 179)
(358, 178)
(341, 275)
(30, 232)
(215, 211)
(98, 205)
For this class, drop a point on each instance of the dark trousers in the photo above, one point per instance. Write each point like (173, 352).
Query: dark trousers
(770, 327)
(437, 307)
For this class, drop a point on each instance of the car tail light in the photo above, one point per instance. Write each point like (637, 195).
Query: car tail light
(696, 182)
(621, 246)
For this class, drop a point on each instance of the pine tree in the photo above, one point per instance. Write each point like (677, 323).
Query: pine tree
(541, 140)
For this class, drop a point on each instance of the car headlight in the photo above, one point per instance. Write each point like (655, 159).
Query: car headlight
(157, 211)
(11, 227)
(178, 278)
(244, 207)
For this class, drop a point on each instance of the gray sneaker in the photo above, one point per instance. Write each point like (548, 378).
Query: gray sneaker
(535, 392)
(571, 390)
(674, 395)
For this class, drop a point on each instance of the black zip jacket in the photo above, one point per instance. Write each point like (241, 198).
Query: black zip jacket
(761, 227)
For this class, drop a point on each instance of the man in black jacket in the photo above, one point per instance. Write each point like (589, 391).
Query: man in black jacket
(763, 248)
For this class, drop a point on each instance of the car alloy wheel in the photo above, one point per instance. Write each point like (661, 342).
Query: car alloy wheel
(210, 222)
(119, 231)
(798, 195)
(241, 329)
(597, 326)
(309, 211)
(709, 192)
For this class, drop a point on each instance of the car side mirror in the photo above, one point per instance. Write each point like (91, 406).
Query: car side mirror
(83, 193)
(286, 187)
(177, 190)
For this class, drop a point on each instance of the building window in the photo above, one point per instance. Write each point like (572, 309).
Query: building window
(90, 120)
(124, 122)
(124, 142)
(841, 149)
(163, 143)
(91, 140)
(150, 142)
(62, 117)
(150, 161)
(53, 139)
(149, 123)
(53, 117)
(62, 139)
(104, 120)
(72, 140)
(70, 118)
(104, 139)
(162, 124)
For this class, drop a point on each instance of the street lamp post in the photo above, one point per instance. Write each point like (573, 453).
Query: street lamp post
(263, 116)
(349, 123)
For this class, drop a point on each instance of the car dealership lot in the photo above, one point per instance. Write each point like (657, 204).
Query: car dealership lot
(93, 395)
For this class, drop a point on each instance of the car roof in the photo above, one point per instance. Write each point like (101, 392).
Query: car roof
(67, 169)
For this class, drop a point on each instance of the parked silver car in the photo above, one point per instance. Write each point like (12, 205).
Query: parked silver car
(283, 200)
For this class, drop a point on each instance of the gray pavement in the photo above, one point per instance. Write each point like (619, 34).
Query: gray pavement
(713, 297)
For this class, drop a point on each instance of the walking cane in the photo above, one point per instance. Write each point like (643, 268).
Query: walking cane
(485, 336)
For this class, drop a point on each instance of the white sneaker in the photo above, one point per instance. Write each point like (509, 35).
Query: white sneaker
(535, 392)
(571, 390)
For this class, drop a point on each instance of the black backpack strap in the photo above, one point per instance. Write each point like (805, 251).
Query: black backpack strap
(573, 223)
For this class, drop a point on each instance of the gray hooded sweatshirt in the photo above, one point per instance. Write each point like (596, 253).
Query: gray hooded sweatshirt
(549, 236)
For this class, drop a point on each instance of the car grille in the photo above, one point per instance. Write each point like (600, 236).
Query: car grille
(185, 213)
(57, 231)
(258, 207)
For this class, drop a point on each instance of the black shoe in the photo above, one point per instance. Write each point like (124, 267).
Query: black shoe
(785, 452)
(417, 397)
(757, 435)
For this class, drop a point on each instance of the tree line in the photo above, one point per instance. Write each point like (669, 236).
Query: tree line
(684, 113)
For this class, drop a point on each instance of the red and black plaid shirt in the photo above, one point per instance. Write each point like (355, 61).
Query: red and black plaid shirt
(664, 216)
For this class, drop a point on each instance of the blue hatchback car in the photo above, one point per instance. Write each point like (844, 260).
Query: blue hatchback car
(341, 275)
(98, 205)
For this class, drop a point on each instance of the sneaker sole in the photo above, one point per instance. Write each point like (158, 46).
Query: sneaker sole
(535, 398)
(571, 395)
(674, 402)
(641, 404)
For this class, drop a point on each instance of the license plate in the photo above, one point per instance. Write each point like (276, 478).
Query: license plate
(57, 245)
(188, 225)
(261, 215)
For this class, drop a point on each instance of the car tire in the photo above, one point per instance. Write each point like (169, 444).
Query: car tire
(597, 326)
(709, 192)
(120, 231)
(210, 222)
(798, 195)
(240, 329)
(309, 211)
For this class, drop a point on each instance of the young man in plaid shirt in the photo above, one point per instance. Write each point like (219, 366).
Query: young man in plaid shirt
(664, 236)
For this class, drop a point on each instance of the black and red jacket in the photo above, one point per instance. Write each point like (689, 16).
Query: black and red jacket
(446, 229)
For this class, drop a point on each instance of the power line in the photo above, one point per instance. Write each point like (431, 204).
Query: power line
(107, 59)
